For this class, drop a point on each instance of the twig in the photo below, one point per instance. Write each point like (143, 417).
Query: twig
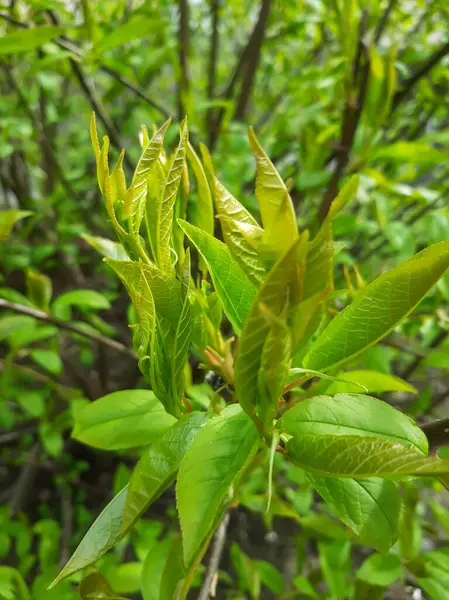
(25, 481)
(253, 60)
(440, 337)
(183, 53)
(402, 348)
(421, 72)
(67, 44)
(212, 69)
(351, 117)
(437, 432)
(229, 90)
(41, 316)
(207, 589)
(383, 20)
(67, 524)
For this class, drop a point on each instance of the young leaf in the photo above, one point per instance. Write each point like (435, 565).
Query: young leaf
(81, 299)
(183, 336)
(95, 587)
(346, 194)
(335, 560)
(370, 507)
(358, 457)
(164, 290)
(241, 232)
(101, 537)
(123, 419)
(280, 288)
(168, 197)
(319, 275)
(28, 39)
(352, 414)
(157, 468)
(374, 381)
(213, 462)
(9, 218)
(107, 248)
(136, 278)
(378, 308)
(204, 213)
(235, 290)
(276, 206)
(39, 289)
(136, 199)
(153, 569)
(380, 570)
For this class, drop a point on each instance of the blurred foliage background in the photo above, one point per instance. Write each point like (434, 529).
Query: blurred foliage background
(332, 88)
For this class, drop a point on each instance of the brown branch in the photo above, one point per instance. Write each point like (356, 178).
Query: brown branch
(252, 63)
(41, 316)
(440, 337)
(67, 44)
(215, 558)
(183, 53)
(421, 72)
(239, 68)
(212, 68)
(351, 118)
(383, 20)
(437, 433)
(25, 481)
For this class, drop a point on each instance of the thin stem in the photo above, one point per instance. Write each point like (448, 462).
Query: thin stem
(183, 53)
(41, 316)
(218, 545)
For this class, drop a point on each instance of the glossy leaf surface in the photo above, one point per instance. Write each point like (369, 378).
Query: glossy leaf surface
(123, 419)
(214, 460)
(157, 468)
(378, 308)
(352, 414)
(233, 287)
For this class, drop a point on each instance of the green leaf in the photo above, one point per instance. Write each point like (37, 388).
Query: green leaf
(9, 325)
(204, 213)
(137, 277)
(125, 578)
(136, 28)
(101, 537)
(380, 570)
(234, 289)
(304, 586)
(279, 289)
(415, 152)
(183, 337)
(378, 308)
(32, 402)
(153, 569)
(81, 299)
(138, 191)
(248, 575)
(353, 414)
(157, 468)
(174, 573)
(319, 275)
(335, 560)
(12, 580)
(123, 419)
(9, 218)
(270, 576)
(370, 507)
(28, 39)
(39, 289)
(374, 381)
(276, 207)
(48, 360)
(107, 248)
(359, 457)
(241, 232)
(169, 191)
(213, 462)
(95, 587)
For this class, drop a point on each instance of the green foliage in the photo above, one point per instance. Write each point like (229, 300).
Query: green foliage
(253, 335)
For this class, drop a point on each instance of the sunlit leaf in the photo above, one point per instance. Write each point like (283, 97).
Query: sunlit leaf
(213, 462)
(28, 39)
(387, 300)
(107, 248)
(122, 420)
(101, 537)
(204, 210)
(353, 414)
(359, 457)
(233, 287)
(157, 468)
(9, 218)
(370, 507)
(374, 381)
